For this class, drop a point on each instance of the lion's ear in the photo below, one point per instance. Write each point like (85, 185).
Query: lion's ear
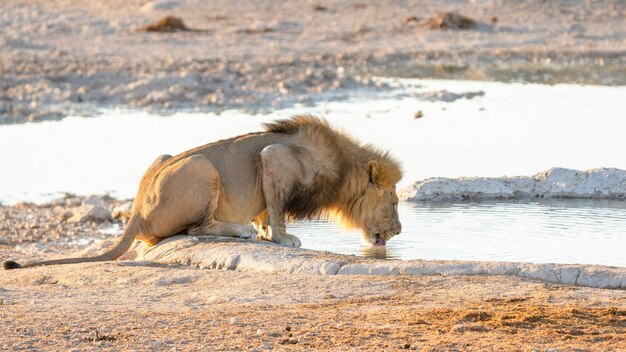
(373, 171)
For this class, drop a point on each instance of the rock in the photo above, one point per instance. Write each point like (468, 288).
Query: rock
(411, 19)
(90, 213)
(95, 200)
(73, 201)
(320, 8)
(122, 212)
(234, 320)
(4, 242)
(418, 115)
(160, 5)
(243, 255)
(155, 345)
(167, 24)
(63, 216)
(459, 328)
(601, 183)
(449, 97)
(260, 332)
(258, 28)
(290, 341)
(451, 20)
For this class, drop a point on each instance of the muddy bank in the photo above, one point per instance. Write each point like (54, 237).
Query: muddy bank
(73, 57)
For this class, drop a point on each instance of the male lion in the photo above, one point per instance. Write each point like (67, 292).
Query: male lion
(299, 167)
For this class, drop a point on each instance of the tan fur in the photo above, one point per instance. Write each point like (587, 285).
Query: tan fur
(298, 168)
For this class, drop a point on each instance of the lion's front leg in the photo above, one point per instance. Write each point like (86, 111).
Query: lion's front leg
(284, 238)
(278, 175)
(264, 232)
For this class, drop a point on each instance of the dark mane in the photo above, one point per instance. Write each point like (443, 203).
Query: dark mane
(343, 177)
(295, 124)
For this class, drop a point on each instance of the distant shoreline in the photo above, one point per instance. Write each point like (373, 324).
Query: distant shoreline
(74, 58)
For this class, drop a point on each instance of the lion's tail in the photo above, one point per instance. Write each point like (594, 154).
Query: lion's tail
(128, 237)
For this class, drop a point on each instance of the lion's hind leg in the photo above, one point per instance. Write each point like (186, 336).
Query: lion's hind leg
(183, 197)
(209, 226)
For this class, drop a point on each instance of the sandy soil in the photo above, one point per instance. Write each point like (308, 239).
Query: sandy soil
(139, 306)
(131, 305)
(73, 56)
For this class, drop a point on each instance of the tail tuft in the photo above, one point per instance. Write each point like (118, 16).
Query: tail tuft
(9, 264)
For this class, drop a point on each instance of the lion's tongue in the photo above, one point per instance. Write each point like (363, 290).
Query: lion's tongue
(379, 242)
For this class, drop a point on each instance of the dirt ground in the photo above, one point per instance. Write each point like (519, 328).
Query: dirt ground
(142, 306)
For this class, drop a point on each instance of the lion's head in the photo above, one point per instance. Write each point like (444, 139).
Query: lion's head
(372, 204)
(378, 217)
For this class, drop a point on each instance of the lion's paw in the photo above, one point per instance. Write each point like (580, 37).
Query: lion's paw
(248, 232)
(290, 241)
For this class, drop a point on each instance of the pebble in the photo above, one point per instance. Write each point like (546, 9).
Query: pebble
(459, 328)
(63, 216)
(290, 341)
(155, 345)
(94, 200)
(94, 213)
(234, 320)
(123, 211)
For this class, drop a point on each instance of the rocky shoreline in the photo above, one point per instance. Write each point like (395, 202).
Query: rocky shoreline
(62, 226)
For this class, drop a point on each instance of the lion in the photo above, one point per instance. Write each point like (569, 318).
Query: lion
(247, 186)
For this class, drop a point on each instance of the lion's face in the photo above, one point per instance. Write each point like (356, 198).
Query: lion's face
(382, 221)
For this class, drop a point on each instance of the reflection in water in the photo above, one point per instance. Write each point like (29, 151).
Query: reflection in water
(558, 231)
(374, 252)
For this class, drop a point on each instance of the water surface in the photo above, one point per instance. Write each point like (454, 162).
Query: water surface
(572, 231)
